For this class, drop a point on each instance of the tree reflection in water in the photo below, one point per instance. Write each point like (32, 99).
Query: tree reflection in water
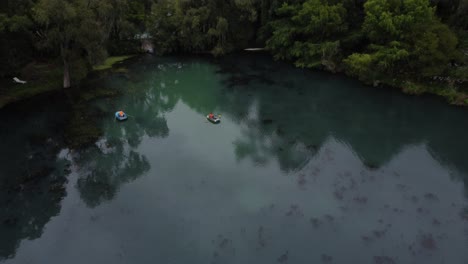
(286, 124)
(285, 115)
(32, 179)
(114, 160)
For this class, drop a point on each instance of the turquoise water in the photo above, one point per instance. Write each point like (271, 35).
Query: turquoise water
(305, 167)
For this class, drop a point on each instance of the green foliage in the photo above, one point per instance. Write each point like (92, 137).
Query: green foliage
(393, 42)
(220, 32)
(413, 88)
(19, 23)
(15, 42)
(406, 38)
(386, 21)
(3, 22)
(433, 50)
(202, 26)
(359, 65)
(14, 15)
(309, 33)
(78, 31)
(398, 43)
(460, 73)
(70, 26)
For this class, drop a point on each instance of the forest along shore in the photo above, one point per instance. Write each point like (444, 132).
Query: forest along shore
(418, 46)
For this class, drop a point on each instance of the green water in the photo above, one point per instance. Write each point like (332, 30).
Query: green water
(305, 167)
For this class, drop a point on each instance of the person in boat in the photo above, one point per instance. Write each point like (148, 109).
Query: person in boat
(121, 113)
(211, 116)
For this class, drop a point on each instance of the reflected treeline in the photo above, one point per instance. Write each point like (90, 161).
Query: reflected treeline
(285, 114)
(102, 174)
(32, 180)
(114, 161)
(296, 106)
(288, 113)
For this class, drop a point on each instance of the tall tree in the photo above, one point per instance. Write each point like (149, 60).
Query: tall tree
(77, 29)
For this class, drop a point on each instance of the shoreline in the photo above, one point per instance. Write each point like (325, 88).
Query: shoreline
(44, 78)
(52, 82)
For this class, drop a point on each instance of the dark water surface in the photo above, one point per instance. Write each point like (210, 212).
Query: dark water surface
(304, 168)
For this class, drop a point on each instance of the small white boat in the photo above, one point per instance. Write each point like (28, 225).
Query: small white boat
(214, 120)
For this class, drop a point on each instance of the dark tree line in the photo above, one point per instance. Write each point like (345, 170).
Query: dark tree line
(399, 43)
(407, 44)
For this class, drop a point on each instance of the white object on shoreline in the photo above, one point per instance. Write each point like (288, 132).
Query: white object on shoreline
(254, 49)
(16, 80)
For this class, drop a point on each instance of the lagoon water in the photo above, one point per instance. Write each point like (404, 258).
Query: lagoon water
(305, 167)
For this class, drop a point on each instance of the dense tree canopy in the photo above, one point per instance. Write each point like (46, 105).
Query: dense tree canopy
(79, 29)
(309, 33)
(375, 40)
(399, 43)
(202, 26)
(406, 38)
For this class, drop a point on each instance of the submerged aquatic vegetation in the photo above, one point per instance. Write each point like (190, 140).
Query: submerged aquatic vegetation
(82, 130)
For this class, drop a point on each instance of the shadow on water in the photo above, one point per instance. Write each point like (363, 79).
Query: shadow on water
(102, 175)
(114, 160)
(33, 175)
(32, 179)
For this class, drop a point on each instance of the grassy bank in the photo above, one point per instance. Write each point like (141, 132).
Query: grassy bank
(42, 77)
